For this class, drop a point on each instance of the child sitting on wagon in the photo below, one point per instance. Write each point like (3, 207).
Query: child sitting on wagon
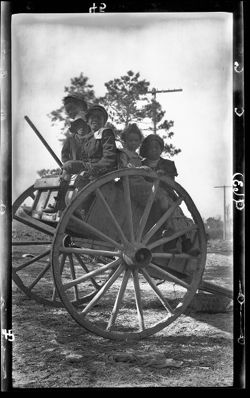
(131, 138)
(76, 108)
(151, 150)
(98, 150)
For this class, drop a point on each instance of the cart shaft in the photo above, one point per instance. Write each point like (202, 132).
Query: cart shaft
(215, 289)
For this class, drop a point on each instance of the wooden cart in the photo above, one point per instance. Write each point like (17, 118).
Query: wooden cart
(112, 254)
(112, 258)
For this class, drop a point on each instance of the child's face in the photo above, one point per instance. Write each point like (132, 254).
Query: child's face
(73, 109)
(133, 142)
(82, 130)
(96, 120)
(154, 150)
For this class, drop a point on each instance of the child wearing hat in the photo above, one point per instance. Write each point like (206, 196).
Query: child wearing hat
(151, 150)
(71, 149)
(98, 150)
(128, 157)
(131, 138)
(76, 109)
(75, 106)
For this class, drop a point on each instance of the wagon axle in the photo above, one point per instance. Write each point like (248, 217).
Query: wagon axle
(139, 257)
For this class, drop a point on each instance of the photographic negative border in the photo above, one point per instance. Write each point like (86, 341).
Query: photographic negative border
(237, 8)
(5, 200)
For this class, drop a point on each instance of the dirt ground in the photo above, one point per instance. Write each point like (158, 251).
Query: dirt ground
(51, 350)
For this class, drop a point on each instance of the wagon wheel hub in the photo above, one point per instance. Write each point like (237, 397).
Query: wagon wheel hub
(139, 257)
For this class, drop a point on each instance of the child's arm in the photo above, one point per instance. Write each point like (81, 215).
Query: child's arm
(109, 151)
(122, 159)
(65, 152)
(74, 166)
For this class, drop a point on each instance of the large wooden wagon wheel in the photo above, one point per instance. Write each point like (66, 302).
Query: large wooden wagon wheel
(31, 246)
(149, 281)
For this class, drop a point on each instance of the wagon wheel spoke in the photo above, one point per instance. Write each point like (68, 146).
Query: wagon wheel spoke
(127, 199)
(30, 243)
(118, 300)
(138, 300)
(162, 220)
(36, 224)
(91, 274)
(147, 209)
(73, 275)
(92, 244)
(157, 291)
(91, 252)
(19, 267)
(174, 236)
(107, 207)
(168, 275)
(172, 256)
(40, 275)
(82, 224)
(62, 263)
(103, 290)
(83, 265)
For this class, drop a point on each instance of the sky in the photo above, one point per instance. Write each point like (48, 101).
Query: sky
(191, 51)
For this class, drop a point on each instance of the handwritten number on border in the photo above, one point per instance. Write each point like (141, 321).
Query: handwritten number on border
(8, 334)
(94, 7)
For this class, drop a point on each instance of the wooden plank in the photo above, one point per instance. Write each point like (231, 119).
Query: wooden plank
(50, 182)
(47, 182)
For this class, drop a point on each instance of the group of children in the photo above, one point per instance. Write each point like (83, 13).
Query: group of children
(90, 151)
(90, 148)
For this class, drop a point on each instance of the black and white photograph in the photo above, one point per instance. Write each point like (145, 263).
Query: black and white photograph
(122, 181)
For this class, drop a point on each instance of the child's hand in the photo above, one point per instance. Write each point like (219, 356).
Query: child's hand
(73, 166)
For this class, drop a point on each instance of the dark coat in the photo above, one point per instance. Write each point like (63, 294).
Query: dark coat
(71, 149)
(99, 156)
(168, 166)
(100, 150)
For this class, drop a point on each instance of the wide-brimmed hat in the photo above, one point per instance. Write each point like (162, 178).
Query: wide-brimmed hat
(76, 96)
(97, 108)
(78, 124)
(146, 142)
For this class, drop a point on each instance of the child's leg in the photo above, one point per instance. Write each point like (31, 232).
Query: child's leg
(64, 186)
(80, 182)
